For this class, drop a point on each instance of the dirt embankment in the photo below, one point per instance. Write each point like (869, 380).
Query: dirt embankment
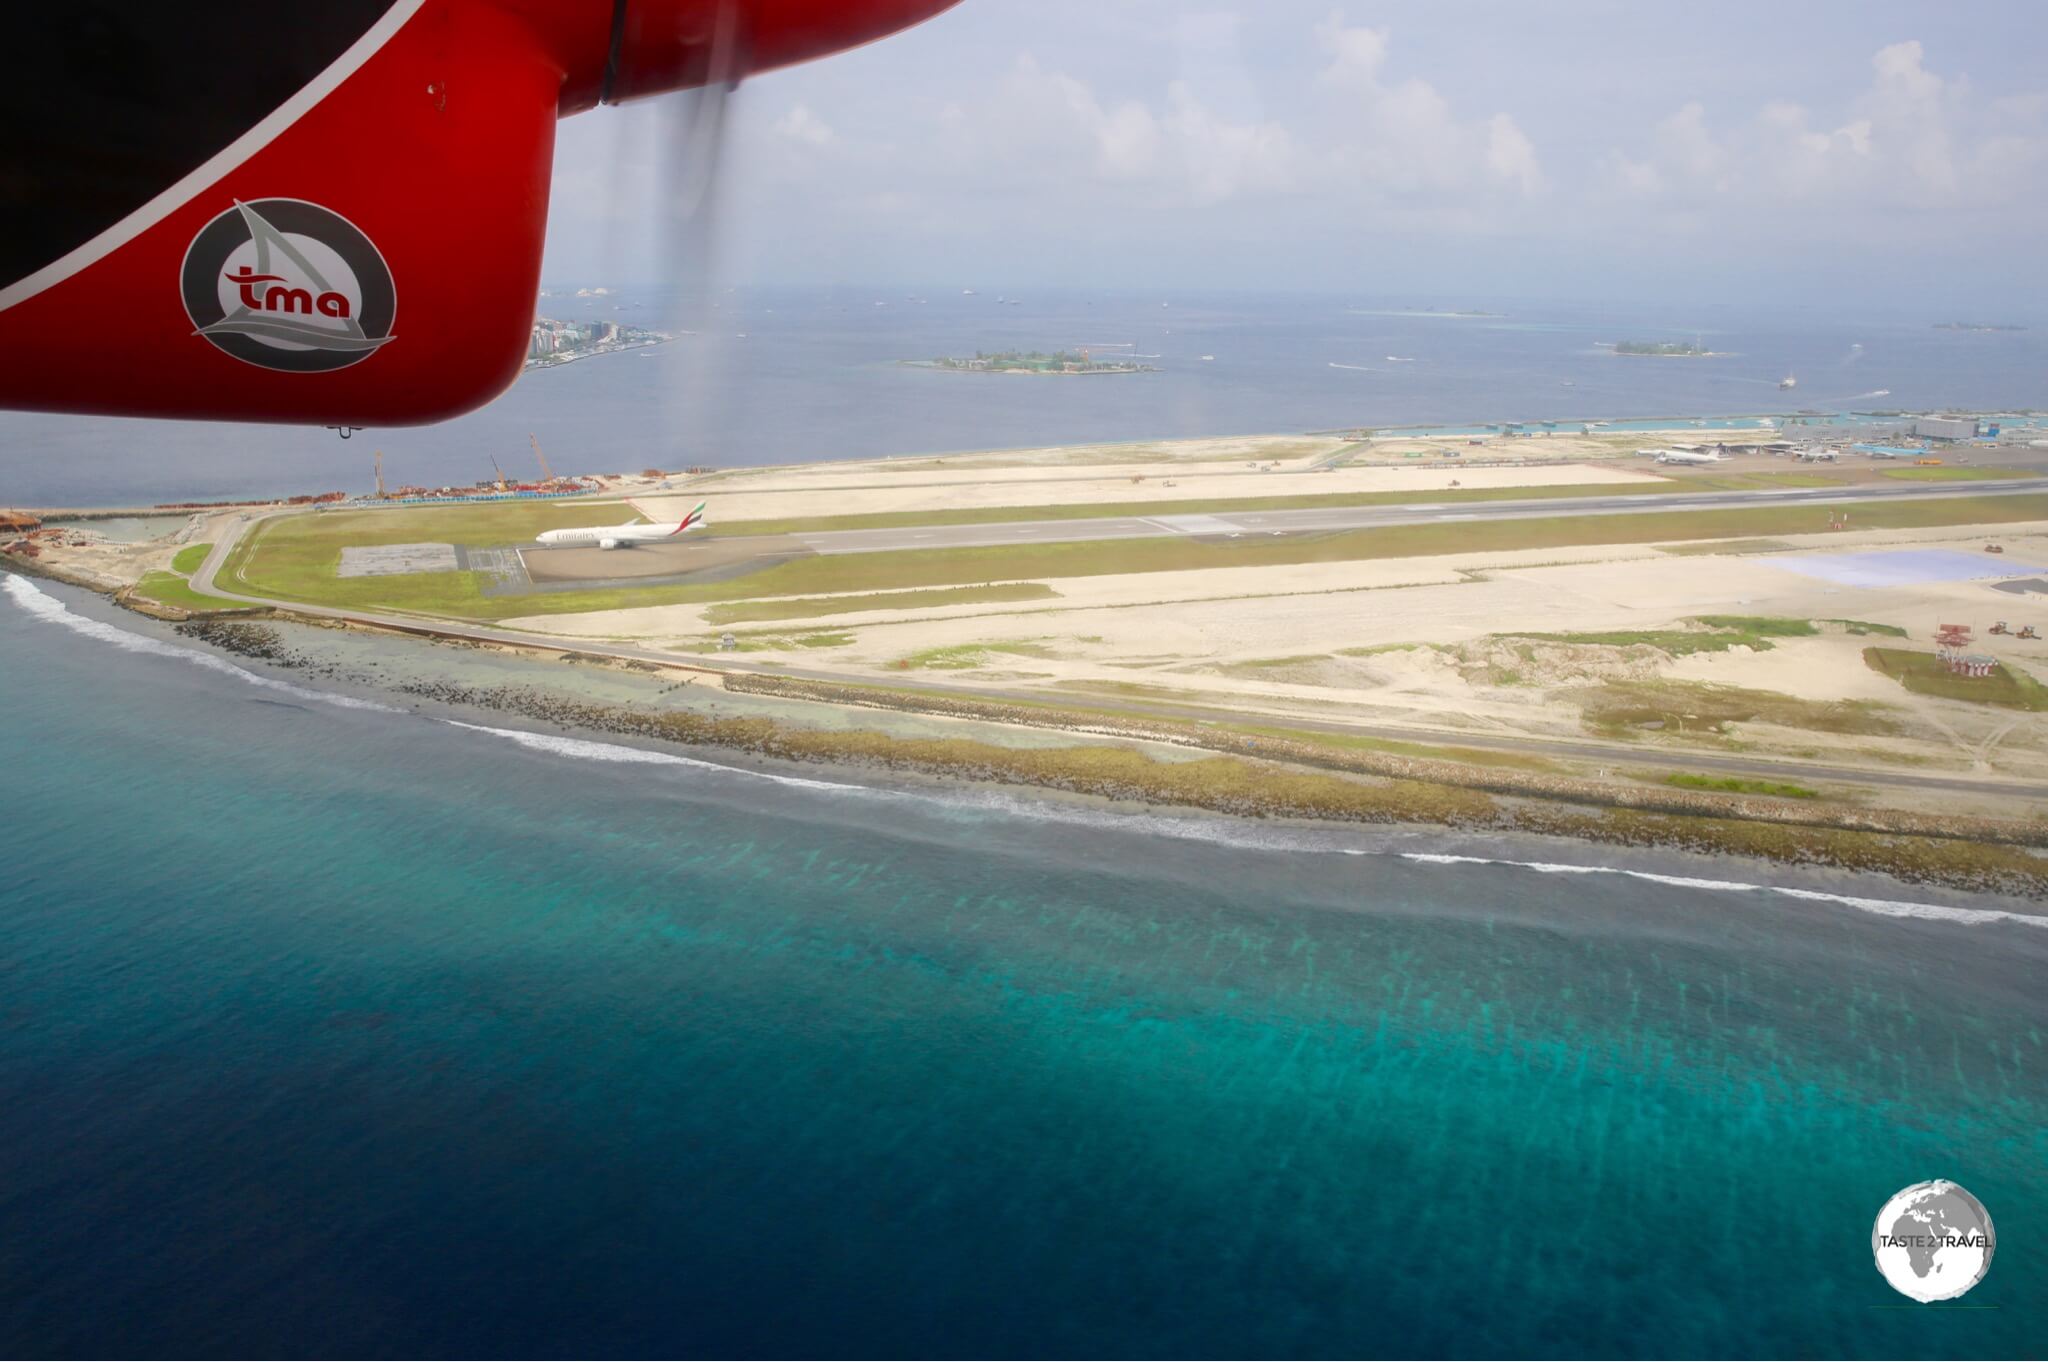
(1267, 777)
(1390, 766)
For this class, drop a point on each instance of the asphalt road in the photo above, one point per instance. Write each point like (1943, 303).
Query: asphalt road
(1323, 520)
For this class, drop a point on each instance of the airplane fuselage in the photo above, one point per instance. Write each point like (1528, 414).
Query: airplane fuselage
(621, 536)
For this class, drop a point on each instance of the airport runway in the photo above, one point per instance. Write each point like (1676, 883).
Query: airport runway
(1324, 520)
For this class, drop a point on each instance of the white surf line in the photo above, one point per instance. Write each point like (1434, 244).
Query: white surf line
(586, 749)
(954, 799)
(1882, 907)
(1218, 832)
(42, 606)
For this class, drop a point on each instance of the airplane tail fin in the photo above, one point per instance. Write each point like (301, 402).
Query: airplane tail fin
(692, 520)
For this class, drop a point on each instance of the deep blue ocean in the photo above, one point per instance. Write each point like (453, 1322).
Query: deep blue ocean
(795, 375)
(332, 1029)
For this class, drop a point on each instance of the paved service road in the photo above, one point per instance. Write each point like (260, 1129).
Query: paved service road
(1324, 520)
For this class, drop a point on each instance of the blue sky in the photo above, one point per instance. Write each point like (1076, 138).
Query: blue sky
(1814, 152)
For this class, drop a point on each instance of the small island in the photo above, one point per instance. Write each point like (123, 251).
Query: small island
(1460, 313)
(1033, 362)
(1665, 349)
(1976, 326)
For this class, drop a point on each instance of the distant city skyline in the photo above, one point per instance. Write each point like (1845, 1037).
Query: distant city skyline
(1820, 153)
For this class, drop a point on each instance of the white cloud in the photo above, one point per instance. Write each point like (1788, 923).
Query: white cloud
(1403, 137)
(805, 128)
(1511, 156)
(1050, 124)
(1207, 140)
(1910, 138)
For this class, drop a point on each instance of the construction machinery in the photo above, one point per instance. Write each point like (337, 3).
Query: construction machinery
(500, 472)
(547, 474)
(2026, 631)
(379, 463)
(1998, 628)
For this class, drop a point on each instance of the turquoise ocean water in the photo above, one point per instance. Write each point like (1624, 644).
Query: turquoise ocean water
(334, 1029)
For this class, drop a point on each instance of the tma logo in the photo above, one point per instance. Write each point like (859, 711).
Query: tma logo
(288, 285)
(280, 298)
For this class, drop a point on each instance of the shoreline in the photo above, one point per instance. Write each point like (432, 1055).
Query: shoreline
(781, 721)
(1047, 771)
(532, 366)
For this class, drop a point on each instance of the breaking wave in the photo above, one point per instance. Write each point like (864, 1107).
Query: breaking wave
(1933, 912)
(41, 605)
(1225, 832)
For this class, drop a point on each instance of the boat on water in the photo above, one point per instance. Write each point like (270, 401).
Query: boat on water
(1400, 359)
(1208, 357)
(1787, 382)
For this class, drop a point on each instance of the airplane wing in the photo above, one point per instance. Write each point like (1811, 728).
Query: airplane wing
(325, 213)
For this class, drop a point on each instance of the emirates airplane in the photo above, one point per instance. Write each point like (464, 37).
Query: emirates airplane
(622, 536)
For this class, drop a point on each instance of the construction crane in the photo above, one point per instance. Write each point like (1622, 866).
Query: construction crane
(547, 474)
(499, 471)
(381, 494)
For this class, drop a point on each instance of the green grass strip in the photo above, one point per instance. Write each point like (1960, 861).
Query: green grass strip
(805, 607)
(1946, 474)
(168, 588)
(1777, 789)
(1926, 674)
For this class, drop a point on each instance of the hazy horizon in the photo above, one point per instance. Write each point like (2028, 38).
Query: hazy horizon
(1810, 155)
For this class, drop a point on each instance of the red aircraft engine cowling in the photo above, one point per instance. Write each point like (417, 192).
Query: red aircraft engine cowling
(368, 252)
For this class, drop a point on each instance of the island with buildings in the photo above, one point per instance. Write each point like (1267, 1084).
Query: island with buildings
(1033, 362)
(559, 342)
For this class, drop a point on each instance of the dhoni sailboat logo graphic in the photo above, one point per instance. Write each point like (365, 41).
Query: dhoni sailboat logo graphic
(288, 285)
